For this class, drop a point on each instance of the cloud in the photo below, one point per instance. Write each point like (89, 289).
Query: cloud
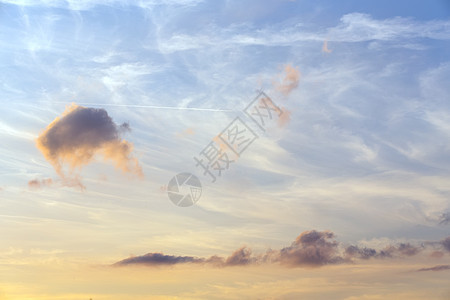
(89, 4)
(187, 132)
(78, 135)
(36, 184)
(446, 243)
(311, 248)
(445, 219)
(325, 47)
(284, 118)
(407, 249)
(359, 27)
(157, 259)
(353, 27)
(436, 268)
(288, 80)
(242, 256)
(437, 254)
(400, 250)
(125, 127)
(362, 253)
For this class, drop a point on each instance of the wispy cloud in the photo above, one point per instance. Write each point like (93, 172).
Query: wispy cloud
(353, 27)
(88, 4)
(436, 268)
(362, 27)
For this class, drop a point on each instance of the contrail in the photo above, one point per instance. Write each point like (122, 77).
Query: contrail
(150, 106)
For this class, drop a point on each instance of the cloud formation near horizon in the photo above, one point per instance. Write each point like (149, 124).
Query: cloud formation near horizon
(81, 133)
(446, 243)
(445, 218)
(156, 259)
(402, 249)
(310, 249)
(436, 268)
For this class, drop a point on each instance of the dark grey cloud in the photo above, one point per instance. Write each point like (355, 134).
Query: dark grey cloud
(445, 219)
(79, 134)
(156, 259)
(436, 268)
(446, 243)
(125, 127)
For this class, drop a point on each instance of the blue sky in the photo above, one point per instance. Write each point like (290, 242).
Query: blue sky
(364, 155)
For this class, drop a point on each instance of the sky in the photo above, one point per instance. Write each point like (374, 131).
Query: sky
(310, 138)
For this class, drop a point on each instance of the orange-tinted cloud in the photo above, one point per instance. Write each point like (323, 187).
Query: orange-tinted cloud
(186, 132)
(288, 80)
(73, 180)
(36, 184)
(284, 118)
(325, 47)
(446, 243)
(74, 138)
